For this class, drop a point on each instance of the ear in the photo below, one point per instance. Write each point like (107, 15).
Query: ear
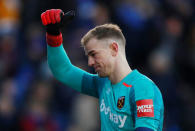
(114, 48)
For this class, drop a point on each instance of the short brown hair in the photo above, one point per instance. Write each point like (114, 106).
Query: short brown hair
(104, 31)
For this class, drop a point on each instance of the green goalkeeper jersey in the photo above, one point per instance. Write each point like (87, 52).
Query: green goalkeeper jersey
(133, 102)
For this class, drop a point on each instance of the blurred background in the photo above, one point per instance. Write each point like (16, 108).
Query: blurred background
(160, 43)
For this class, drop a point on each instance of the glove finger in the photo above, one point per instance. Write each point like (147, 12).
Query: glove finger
(44, 22)
(48, 19)
(58, 15)
(52, 16)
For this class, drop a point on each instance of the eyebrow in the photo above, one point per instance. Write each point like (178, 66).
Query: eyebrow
(90, 52)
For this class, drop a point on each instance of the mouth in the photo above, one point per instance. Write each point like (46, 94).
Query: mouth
(97, 68)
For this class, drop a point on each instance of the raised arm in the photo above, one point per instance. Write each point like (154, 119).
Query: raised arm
(58, 60)
(62, 68)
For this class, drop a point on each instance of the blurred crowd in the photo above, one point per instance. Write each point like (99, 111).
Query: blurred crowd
(160, 43)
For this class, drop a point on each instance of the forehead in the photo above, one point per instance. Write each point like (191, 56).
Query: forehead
(94, 45)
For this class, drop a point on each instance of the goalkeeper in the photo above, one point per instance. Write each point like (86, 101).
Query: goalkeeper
(128, 100)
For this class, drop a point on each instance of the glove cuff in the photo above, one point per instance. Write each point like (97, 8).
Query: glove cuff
(53, 29)
(54, 40)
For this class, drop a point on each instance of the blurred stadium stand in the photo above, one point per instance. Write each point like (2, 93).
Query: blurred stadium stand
(160, 43)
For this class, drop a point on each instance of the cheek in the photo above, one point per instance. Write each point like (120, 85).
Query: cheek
(107, 63)
(104, 60)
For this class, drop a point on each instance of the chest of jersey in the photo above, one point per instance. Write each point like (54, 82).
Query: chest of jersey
(115, 108)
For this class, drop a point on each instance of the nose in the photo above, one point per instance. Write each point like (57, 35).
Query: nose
(91, 61)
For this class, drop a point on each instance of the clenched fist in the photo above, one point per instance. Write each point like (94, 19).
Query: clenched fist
(54, 20)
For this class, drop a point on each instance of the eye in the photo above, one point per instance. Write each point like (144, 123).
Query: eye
(93, 54)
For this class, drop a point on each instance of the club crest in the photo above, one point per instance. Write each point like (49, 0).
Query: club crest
(121, 102)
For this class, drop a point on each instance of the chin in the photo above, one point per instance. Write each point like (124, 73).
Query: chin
(102, 75)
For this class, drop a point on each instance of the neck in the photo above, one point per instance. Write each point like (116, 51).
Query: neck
(120, 71)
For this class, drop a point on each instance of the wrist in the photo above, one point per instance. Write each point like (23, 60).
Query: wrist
(54, 40)
(53, 29)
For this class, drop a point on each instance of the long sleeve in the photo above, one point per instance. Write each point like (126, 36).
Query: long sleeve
(69, 74)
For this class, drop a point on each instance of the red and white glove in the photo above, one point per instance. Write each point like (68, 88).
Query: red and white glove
(54, 20)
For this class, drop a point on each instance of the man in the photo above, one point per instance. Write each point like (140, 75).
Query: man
(128, 100)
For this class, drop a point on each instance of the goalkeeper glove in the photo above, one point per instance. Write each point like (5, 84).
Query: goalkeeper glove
(54, 20)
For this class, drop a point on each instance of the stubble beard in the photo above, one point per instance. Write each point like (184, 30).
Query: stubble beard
(102, 74)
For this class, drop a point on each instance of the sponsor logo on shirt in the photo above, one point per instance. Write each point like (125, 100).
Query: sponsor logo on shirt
(145, 108)
(121, 102)
(117, 119)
